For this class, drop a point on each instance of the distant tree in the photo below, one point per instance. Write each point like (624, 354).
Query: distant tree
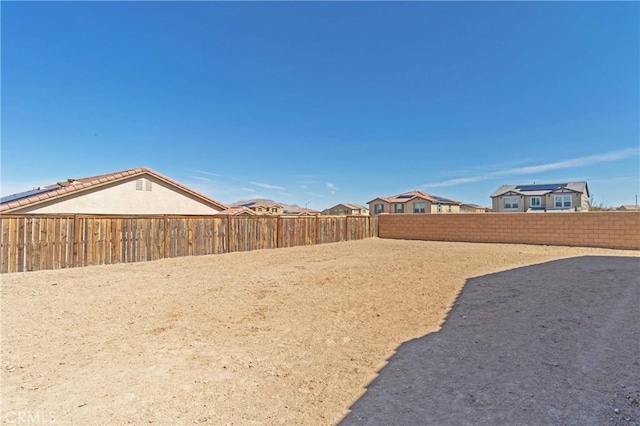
(598, 206)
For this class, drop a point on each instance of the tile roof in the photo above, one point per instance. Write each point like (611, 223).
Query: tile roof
(349, 206)
(237, 211)
(257, 203)
(631, 207)
(76, 186)
(265, 204)
(354, 206)
(301, 211)
(412, 195)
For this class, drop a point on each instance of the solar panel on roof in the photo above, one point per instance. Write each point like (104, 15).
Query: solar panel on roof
(542, 187)
(248, 204)
(444, 200)
(405, 196)
(25, 194)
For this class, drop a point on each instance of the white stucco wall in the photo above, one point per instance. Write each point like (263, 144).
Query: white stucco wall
(125, 198)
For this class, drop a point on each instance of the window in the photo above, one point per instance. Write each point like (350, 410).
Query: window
(511, 202)
(561, 201)
(449, 208)
(419, 208)
(139, 185)
(535, 202)
(274, 210)
(147, 185)
(378, 208)
(439, 208)
(398, 208)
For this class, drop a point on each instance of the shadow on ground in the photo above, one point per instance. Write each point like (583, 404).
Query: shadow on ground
(551, 344)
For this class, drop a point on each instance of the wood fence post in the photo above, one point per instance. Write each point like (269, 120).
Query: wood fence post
(76, 242)
(228, 219)
(346, 224)
(317, 229)
(167, 237)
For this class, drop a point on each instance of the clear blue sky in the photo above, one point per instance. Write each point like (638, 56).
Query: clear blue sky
(324, 102)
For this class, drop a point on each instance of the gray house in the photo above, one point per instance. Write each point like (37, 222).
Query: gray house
(571, 196)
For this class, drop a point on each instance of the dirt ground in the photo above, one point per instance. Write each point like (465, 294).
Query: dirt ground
(555, 343)
(287, 336)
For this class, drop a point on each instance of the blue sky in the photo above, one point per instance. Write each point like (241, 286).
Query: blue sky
(317, 103)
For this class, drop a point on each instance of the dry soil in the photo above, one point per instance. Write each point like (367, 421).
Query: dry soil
(287, 336)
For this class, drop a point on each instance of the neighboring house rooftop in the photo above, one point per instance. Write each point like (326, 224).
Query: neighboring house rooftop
(354, 206)
(541, 189)
(237, 211)
(77, 186)
(408, 196)
(629, 207)
(256, 203)
(301, 211)
(287, 209)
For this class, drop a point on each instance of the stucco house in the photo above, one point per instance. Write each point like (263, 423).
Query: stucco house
(262, 206)
(346, 209)
(300, 211)
(139, 191)
(472, 208)
(237, 211)
(629, 208)
(549, 197)
(413, 202)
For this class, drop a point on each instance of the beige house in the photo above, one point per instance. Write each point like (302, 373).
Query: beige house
(237, 211)
(140, 191)
(628, 208)
(553, 197)
(300, 211)
(346, 209)
(413, 202)
(267, 207)
(472, 208)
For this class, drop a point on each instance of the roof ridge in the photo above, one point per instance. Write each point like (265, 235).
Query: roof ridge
(97, 181)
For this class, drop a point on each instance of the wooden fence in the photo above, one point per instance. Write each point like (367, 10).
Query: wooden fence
(38, 242)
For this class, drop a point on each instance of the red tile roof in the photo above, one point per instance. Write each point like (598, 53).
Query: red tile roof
(411, 195)
(75, 186)
(237, 211)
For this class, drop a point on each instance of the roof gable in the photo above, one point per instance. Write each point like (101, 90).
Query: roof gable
(510, 193)
(541, 189)
(383, 199)
(237, 211)
(349, 206)
(74, 187)
(355, 206)
(563, 190)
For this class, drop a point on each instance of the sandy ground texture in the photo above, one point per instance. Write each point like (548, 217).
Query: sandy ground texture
(287, 336)
(549, 344)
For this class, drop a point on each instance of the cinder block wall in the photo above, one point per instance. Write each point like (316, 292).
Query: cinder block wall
(619, 230)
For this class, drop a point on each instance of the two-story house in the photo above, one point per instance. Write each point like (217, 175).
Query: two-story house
(262, 206)
(571, 196)
(413, 202)
(346, 209)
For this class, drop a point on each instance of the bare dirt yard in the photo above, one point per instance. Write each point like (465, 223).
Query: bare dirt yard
(287, 336)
